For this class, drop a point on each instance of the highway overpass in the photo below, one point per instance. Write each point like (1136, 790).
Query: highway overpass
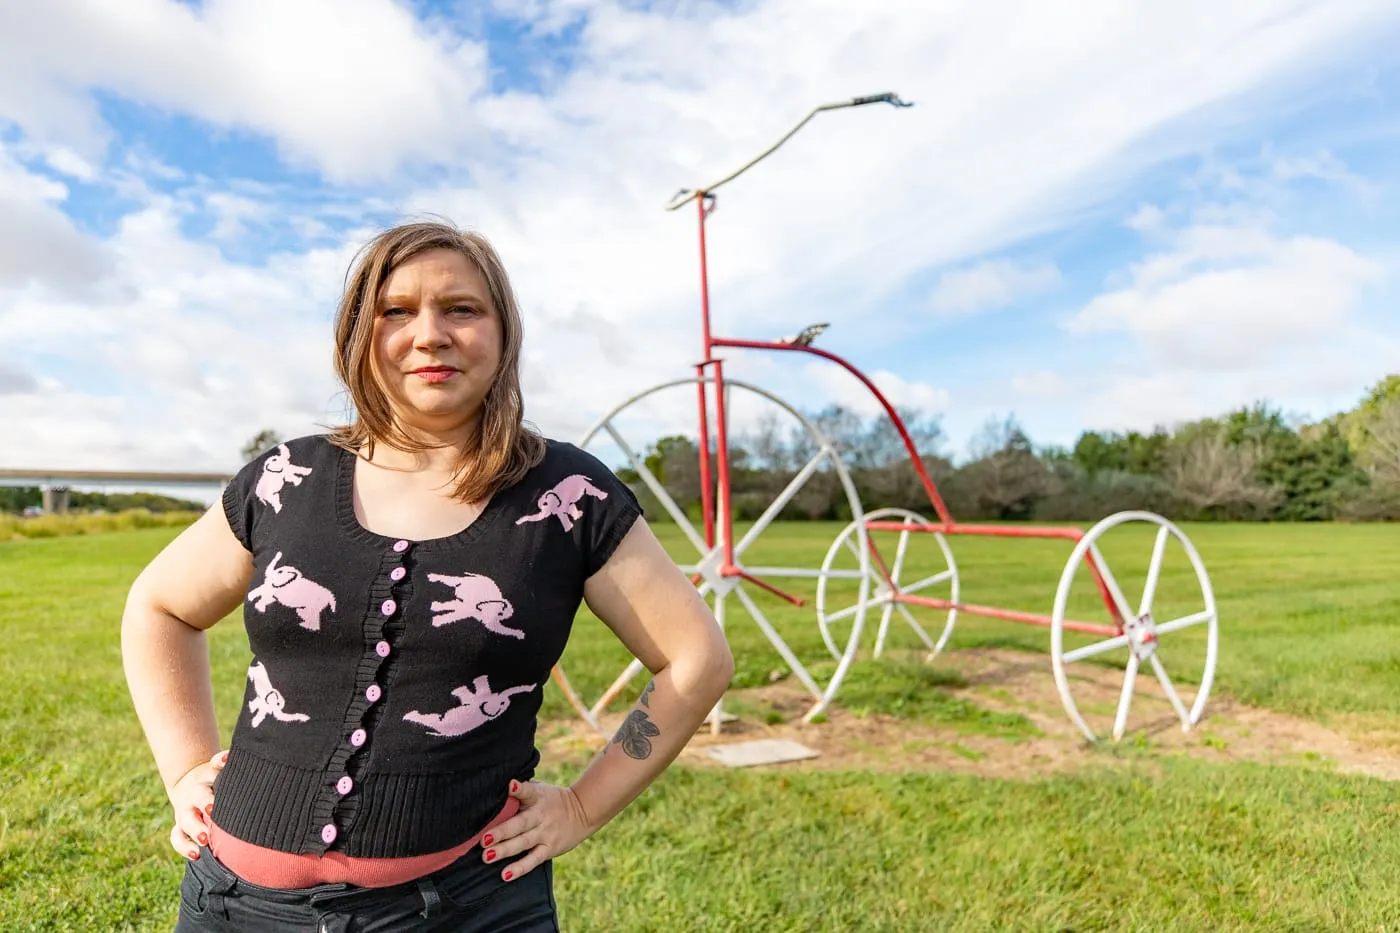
(55, 484)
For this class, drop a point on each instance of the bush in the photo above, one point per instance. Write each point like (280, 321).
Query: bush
(1378, 503)
(13, 527)
(1082, 496)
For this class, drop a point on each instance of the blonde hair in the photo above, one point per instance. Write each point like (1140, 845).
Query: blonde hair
(502, 449)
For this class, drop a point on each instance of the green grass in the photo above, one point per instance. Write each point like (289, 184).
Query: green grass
(1307, 626)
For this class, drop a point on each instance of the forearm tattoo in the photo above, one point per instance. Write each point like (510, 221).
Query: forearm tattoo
(637, 730)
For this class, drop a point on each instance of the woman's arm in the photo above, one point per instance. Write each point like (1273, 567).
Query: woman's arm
(657, 613)
(641, 594)
(198, 578)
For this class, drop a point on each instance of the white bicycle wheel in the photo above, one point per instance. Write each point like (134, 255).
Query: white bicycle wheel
(916, 567)
(707, 567)
(1142, 636)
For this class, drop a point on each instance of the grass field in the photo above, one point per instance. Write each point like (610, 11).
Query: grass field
(1137, 837)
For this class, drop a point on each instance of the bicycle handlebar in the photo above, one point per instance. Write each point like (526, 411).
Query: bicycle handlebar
(688, 194)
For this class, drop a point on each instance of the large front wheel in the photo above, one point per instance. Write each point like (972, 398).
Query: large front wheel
(781, 580)
(1175, 587)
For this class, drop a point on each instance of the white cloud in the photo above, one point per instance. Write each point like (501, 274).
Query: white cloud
(232, 213)
(15, 380)
(351, 87)
(1040, 384)
(38, 243)
(67, 162)
(846, 390)
(569, 183)
(994, 283)
(1146, 219)
(1314, 381)
(179, 359)
(1227, 298)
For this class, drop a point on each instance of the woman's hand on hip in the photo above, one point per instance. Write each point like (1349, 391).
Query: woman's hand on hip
(192, 798)
(549, 823)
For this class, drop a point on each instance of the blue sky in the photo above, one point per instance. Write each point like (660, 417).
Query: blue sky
(1110, 221)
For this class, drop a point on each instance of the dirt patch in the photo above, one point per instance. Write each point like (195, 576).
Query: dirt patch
(1023, 684)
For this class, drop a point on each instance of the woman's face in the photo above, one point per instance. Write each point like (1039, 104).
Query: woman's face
(437, 341)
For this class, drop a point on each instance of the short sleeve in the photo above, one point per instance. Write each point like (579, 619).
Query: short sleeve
(607, 517)
(238, 501)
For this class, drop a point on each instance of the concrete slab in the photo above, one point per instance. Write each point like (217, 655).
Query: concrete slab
(760, 752)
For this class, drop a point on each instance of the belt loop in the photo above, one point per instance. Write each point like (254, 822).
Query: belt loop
(223, 883)
(432, 903)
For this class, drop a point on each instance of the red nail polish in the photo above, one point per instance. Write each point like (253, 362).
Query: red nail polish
(514, 786)
(506, 876)
(486, 839)
(203, 839)
(195, 857)
(209, 809)
(490, 854)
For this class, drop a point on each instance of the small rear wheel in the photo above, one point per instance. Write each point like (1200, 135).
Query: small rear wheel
(908, 578)
(1176, 595)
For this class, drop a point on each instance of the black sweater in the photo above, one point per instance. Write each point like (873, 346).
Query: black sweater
(394, 684)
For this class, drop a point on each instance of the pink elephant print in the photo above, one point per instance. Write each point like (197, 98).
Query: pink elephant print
(267, 701)
(478, 706)
(562, 501)
(278, 470)
(478, 598)
(286, 585)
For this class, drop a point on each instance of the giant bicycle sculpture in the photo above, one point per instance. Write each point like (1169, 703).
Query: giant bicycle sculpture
(860, 558)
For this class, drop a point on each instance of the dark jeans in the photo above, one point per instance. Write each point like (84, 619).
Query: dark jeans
(467, 896)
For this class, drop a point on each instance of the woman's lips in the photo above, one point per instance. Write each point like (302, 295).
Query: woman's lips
(435, 373)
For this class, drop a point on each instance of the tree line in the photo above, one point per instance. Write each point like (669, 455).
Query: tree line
(16, 499)
(1251, 464)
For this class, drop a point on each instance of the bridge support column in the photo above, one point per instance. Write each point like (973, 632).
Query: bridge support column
(55, 499)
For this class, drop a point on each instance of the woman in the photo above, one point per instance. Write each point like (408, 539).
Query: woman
(407, 581)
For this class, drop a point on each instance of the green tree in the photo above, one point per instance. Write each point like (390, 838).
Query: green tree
(1312, 473)
(260, 442)
(1132, 452)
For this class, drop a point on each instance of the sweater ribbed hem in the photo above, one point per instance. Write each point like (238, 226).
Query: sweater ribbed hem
(271, 804)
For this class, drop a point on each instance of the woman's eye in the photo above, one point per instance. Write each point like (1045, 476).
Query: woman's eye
(464, 309)
(395, 312)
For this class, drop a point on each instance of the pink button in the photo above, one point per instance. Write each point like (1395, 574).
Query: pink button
(388, 606)
(382, 649)
(328, 833)
(357, 738)
(372, 693)
(398, 573)
(344, 785)
(401, 546)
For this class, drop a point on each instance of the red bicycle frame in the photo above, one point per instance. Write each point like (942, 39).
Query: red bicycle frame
(946, 525)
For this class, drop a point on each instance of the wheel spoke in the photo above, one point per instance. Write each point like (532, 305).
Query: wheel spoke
(633, 668)
(927, 582)
(885, 615)
(900, 551)
(778, 643)
(1098, 647)
(1154, 571)
(1114, 590)
(1176, 625)
(777, 505)
(1125, 698)
(658, 491)
(1170, 691)
(918, 629)
(803, 572)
